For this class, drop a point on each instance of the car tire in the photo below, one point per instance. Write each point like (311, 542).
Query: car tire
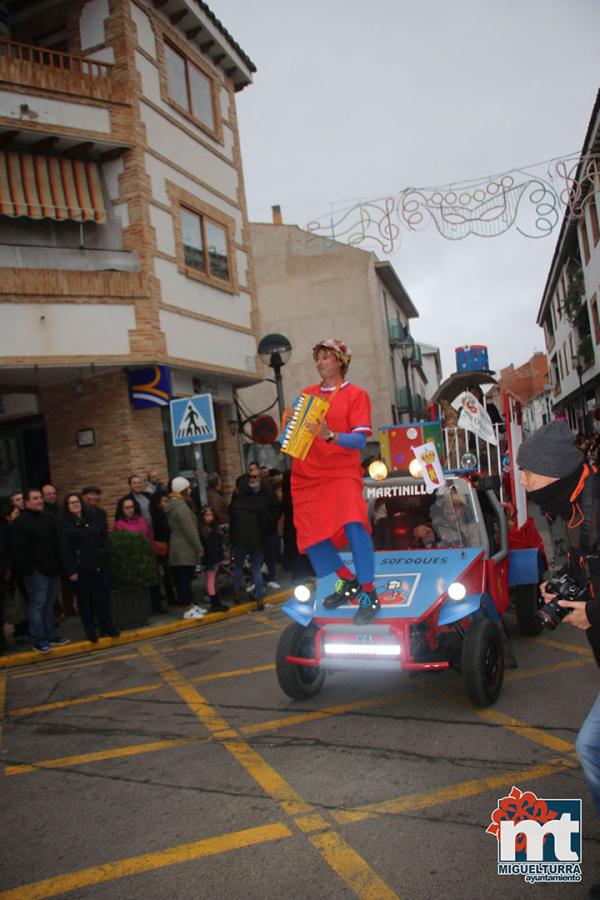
(483, 662)
(525, 599)
(298, 682)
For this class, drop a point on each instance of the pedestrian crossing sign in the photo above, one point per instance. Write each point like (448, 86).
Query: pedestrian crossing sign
(193, 420)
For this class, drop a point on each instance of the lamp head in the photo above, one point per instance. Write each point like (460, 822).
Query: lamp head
(274, 350)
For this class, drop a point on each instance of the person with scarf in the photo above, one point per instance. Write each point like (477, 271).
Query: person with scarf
(566, 488)
(327, 487)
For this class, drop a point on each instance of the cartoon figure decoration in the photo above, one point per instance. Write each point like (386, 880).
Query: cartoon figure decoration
(431, 467)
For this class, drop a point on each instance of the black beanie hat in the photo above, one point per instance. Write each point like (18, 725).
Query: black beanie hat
(550, 451)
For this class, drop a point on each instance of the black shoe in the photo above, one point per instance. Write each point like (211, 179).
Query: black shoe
(114, 632)
(345, 589)
(217, 606)
(260, 604)
(368, 607)
(92, 637)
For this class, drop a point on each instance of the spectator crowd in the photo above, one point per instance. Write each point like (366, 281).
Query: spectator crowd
(55, 553)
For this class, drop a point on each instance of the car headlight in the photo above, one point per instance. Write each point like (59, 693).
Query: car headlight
(302, 593)
(457, 591)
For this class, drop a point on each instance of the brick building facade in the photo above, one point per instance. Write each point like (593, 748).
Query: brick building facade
(124, 239)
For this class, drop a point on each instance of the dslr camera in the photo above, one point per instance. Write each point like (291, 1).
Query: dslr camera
(566, 588)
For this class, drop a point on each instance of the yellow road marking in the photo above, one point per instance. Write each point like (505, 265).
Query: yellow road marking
(100, 755)
(520, 728)
(132, 749)
(413, 802)
(345, 861)
(275, 724)
(530, 732)
(107, 695)
(274, 785)
(148, 862)
(216, 676)
(91, 698)
(309, 823)
(48, 670)
(558, 645)
(351, 867)
(202, 642)
(517, 674)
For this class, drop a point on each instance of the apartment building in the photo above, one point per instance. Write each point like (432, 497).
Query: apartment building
(126, 268)
(310, 288)
(530, 384)
(568, 311)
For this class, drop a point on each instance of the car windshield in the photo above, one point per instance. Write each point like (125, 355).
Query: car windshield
(404, 517)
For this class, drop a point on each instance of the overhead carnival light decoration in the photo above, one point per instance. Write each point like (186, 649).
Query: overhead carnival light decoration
(535, 195)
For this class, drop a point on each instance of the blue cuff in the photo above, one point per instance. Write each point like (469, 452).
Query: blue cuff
(356, 440)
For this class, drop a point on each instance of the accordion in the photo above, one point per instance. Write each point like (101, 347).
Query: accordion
(296, 439)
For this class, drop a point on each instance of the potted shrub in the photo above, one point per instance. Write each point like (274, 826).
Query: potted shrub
(132, 573)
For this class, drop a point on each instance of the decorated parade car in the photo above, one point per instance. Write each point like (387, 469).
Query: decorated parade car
(451, 554)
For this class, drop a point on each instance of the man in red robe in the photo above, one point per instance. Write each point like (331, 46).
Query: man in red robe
(327, 488)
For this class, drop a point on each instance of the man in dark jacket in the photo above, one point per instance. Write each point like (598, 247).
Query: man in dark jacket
(555, 477)
(251, 511)
(35, 552)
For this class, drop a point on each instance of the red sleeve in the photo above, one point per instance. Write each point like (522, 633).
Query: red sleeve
(359, 413)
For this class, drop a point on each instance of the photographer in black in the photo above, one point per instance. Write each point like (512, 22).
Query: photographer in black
(555, 476)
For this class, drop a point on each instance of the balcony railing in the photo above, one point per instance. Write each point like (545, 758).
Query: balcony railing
(66, 62)
(396, 331)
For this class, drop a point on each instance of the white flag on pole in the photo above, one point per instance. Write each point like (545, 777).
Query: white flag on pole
(474, 417)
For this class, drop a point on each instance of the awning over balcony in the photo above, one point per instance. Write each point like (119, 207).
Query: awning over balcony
(47, 187)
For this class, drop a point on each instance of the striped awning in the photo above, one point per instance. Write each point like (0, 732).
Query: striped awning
(48, 187)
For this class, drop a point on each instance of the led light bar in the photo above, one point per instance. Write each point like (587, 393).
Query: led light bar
(362, 649)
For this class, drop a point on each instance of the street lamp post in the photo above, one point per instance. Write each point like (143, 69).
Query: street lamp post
(579, 362)
(275, 350)
(407, 350)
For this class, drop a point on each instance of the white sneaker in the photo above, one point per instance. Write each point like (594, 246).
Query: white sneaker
(194, 612)
(274, 585)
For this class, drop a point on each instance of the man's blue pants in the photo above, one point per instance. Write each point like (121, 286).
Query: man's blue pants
(325, 558)
(588, 751)
(41, 594)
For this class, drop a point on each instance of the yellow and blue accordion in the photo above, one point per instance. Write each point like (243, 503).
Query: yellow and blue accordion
(296, 439)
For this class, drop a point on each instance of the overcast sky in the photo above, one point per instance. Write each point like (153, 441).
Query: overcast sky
(356, 100)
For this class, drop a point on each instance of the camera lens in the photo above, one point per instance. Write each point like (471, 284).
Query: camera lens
(551, 614)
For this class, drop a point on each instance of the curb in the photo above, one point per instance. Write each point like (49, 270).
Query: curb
(76, 648)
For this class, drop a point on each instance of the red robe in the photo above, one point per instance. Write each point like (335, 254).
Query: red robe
(327, 486)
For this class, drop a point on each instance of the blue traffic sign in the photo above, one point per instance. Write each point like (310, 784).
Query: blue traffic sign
(193, 420)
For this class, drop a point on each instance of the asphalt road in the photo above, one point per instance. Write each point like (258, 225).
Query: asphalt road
(176, 768)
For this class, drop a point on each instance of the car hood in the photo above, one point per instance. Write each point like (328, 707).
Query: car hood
(407, 582)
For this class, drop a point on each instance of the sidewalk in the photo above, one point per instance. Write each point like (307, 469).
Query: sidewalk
(156, 626)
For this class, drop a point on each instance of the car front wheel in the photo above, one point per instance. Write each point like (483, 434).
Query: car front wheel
(298, 682)
(483, 662)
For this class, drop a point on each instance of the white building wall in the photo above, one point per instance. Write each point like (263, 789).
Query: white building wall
(188, 154)
(91, 23)
(198, 297)
(56, 112)
(62, 329)
(192, 339)
(145, 34)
